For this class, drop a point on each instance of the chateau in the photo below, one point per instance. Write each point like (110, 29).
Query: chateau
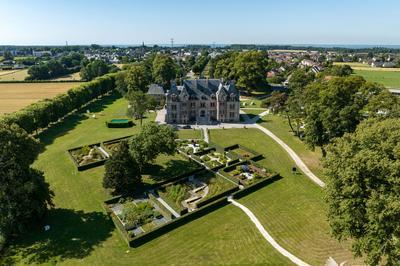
(202, 101)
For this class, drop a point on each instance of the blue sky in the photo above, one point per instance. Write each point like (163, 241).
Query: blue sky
(53, 22)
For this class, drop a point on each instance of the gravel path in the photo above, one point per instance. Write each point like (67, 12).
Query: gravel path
(266, 235)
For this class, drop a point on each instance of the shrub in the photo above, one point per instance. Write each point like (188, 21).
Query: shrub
(137, 214)
(177, 192)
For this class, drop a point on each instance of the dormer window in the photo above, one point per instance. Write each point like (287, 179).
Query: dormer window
(174, 97)
(213, 97)
(204, 98)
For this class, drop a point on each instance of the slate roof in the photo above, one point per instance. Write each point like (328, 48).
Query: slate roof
(155, 89)
(205, 86)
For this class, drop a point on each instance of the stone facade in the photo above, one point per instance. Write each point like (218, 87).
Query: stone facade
(202, 101)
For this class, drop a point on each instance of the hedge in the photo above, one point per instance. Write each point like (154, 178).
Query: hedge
(89, 165)
(111, 124)
(171, 225)
(256, 186)
(40, 114)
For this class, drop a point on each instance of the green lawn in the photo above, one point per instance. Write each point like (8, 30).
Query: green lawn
(81, 233)
(250, 103)
(189, 134)
(253, 112)
(280, 127)
(390, 79)
(291, 209)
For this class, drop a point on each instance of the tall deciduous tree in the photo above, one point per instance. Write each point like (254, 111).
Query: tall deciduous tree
(137, 78)
(121, 172)
(334, 108)
(250, 68)
(363, 190)
(164, 69)
(24, 194)
(152, 140)
(139, 103)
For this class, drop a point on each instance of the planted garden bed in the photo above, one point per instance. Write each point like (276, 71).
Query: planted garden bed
(192, 146)
(88, 156)
(138, 216)
(185, 195)
(112, 145)
(243, 153)
(246, 173)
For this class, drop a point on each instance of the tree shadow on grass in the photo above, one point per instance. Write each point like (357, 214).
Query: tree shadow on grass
(72, 235)
(59, 129)
(172, 169)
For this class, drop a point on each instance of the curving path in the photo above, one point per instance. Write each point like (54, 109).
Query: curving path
(266, 235)
(293, 155)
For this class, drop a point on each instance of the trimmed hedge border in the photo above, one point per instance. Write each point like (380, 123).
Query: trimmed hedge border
(256, 186)
(89, 165)
(41, 114)
(128, 123)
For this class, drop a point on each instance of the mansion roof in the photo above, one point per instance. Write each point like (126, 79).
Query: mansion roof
(197, 87)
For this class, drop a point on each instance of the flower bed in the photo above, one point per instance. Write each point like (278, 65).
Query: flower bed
(192, 146)
(246, 173)
(111, 145)
(88, 156)
(137, 216)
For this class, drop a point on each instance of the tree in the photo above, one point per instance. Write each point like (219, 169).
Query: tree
(94, 69)
(8, 56)
(333, 108)
(24, 194)
(276, 102)
(139, 103)
(152, 140)
(363, 190)
(383, 105)
(250, 68)
(137, 78)
(164, 70)
(201, 63)
(121, 172)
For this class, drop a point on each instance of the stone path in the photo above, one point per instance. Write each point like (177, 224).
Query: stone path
(266, 235)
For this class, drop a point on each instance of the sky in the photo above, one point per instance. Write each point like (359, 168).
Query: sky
(53, 22)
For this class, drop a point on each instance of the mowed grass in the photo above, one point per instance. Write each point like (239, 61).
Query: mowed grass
(280, 127)
(189, 134)
(13, 75)
(253, 112)
(82, 234)
(14, 96)
(390, 79)
(291, 209)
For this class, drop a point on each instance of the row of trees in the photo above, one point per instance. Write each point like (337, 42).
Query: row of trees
(248, 69)
(56, 67)
(123, 172)
(41, 114)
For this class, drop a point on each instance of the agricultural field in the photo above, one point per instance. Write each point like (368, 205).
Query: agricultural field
(13, 75)
(390, 79)
(81, 232)
(14, 96)
(73, 76)
(361, 66)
